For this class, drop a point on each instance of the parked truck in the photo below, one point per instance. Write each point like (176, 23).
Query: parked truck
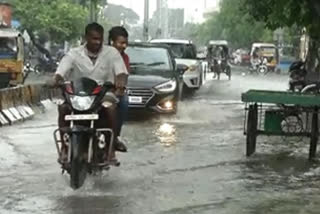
(11, 50)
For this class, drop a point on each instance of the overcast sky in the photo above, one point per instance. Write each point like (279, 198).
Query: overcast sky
(194, 8)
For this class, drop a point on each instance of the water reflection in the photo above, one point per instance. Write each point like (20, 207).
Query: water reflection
(167, 134)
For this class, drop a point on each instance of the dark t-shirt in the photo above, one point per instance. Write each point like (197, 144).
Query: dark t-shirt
(126, 60)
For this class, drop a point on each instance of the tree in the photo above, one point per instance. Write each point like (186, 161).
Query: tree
(286, 13)
(62, 20)
(58, 20)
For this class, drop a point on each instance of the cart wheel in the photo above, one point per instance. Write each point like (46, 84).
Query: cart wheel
(252, 123)
(314, 136)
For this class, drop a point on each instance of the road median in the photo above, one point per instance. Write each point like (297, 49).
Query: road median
(23, 102)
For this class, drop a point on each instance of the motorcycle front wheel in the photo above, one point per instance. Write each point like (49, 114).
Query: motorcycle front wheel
(78, 170)
(263, 70)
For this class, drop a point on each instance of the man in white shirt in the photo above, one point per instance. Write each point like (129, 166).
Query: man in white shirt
(98, 62)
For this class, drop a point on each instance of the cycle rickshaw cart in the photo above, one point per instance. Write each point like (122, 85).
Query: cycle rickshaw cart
(286, 114)
(218, 58)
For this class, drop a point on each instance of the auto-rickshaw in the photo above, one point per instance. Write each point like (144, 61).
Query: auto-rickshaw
(218, 57)
(11, 57)
(264, 57)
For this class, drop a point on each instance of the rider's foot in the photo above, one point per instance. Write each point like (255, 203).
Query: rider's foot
(120, 146)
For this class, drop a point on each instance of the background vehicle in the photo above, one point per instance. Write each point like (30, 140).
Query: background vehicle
(86, 138)
(218, 53)
(155, 81)
(11, 57)
(264, 55)
(186, 53)
(303, 81)
(46, 65)
(241, 57)
(27, 69)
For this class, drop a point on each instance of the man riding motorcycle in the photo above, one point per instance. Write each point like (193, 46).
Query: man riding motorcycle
(98, 62)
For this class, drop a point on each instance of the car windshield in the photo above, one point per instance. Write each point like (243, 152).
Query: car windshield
(8, 47)
(183, 51)
(153, 58)
(268, 50)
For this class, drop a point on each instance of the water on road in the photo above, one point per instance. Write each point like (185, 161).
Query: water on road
(192, 162)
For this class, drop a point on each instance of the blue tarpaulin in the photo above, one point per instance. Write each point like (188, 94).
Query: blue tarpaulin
(15, 23)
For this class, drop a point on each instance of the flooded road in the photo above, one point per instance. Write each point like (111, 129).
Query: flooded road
(193, 162)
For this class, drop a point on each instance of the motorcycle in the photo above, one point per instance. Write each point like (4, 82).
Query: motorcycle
(298, 74)
(86, 142)
(46, 65)
(27, 69)
(302, 81)
(262, 66)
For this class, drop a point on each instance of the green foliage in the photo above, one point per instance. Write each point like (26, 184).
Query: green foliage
(61, 20)
(287, 13)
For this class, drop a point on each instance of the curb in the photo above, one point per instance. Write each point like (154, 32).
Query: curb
(23, 102)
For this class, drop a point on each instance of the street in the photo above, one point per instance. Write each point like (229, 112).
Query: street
(192, 162)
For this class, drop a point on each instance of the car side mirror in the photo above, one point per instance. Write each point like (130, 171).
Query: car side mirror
(181, 68)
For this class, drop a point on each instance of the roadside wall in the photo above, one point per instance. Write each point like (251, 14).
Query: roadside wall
(23, 102)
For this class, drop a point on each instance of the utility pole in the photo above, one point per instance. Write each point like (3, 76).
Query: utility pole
(146, 21)
(93, 9)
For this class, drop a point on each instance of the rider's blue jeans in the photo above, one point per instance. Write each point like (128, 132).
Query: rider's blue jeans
(122, 112)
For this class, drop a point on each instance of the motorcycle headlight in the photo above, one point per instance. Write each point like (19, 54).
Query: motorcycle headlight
(169, 86)
(81, 103)
(219, 62)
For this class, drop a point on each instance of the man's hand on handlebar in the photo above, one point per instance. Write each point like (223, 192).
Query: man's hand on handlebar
(121, 82)
(55, 82)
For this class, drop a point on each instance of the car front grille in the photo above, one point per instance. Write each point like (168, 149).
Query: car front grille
(145, 94)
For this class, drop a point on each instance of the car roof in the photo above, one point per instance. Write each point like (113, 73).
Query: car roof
(218, 42)
(171, 41)
(148, 45)
(263, 45)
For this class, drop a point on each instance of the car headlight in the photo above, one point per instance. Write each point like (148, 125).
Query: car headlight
(169, 86)
(192, 68)
(81, 103)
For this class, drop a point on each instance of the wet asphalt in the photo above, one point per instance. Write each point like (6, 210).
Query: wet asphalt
(191, 162)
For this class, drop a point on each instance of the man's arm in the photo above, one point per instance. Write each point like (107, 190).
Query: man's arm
(120, 71)
(63, 70)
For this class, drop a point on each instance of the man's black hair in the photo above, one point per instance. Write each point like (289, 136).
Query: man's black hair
(117, 31)
(94, 27)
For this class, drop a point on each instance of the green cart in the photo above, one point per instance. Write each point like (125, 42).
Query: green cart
(275, 113)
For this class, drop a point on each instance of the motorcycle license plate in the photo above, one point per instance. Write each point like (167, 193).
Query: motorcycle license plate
(135, 100)
(82, 117)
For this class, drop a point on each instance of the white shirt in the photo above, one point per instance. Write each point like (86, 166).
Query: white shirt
(76, 64)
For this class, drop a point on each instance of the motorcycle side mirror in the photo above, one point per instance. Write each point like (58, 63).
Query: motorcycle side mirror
(181, 68)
